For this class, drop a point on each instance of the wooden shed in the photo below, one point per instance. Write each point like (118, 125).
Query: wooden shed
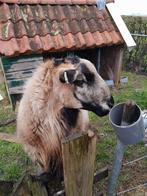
(33, 30)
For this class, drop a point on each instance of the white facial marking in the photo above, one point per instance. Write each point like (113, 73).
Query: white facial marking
(105, 106)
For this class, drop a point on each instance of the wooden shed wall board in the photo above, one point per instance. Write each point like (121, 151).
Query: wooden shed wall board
(111, 63)
(1, 76)
(17, 70)
(1, 65)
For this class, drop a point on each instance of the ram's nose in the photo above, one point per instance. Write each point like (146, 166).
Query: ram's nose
(111, 102)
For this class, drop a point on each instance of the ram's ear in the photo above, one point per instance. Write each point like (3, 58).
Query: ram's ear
(72, 59)
(68, 76)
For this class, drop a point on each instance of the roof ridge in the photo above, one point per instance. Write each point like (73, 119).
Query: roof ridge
(54, 2)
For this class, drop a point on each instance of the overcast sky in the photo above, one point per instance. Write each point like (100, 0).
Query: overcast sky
(129, 7)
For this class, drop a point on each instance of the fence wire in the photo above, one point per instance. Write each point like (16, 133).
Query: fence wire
(136, 60)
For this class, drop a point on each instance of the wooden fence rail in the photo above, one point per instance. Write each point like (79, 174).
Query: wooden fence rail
(9, 137)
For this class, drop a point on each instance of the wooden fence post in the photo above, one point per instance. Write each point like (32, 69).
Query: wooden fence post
(78, 162)
(29, 186)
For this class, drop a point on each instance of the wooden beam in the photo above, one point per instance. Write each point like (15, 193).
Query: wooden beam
(1, 77)
(8, 121)
(78, 153)
(1, 64)
(100, 174)
(118, 65)
(9, 138)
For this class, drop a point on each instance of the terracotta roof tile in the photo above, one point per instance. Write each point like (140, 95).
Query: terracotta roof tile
(24, 45)
(16, 13)
(36, 44)
(7, 30)
(5, 14)
(9, 48)
(79, 2)
(90, 2)
(106, 36)
(34, 28)
(116, 37)
(70, 41)
(20, 29)
(74, 26)
(59, 42)
(79, 12)
(70, 12)
(109, 24)
(90, 42)
(80, 41)
(99, 14)
(99, 41)
(51, 12)
(66, 27)
(47, 43)
(60, 13)
(91, 12)
(84, 26)
(105, 14)
(95, 25)
(28, 11)
(62, 1)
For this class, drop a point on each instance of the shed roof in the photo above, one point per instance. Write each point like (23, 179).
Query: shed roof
(36, 26)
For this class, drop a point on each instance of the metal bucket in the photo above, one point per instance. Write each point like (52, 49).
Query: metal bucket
(132, 133)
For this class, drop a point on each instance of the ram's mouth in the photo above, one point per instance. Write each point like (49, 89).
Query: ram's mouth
(100, 109)
(97, 109)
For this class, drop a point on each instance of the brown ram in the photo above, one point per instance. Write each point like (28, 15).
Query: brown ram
(54, 105)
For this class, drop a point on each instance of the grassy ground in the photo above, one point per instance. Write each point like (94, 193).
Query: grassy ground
(13, 160)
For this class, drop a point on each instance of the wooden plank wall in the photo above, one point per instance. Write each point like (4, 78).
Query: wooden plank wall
(111, 63)
(17, 70)
(1, 76)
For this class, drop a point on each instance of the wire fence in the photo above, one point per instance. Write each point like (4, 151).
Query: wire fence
(136, 60)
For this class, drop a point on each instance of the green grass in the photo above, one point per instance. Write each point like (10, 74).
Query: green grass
(135, 89)
(13, 160)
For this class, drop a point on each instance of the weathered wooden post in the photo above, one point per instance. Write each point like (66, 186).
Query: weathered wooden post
(118, 65)
(29, 186)
(78, 162)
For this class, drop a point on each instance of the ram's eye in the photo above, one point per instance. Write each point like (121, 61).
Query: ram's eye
(90, 78)
(87, 73)
(79, 83)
